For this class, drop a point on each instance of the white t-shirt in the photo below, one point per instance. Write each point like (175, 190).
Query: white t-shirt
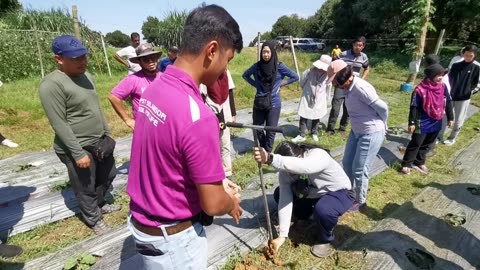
(130, 52)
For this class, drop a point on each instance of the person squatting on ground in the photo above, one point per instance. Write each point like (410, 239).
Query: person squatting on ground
(430, 101)
(313, 103)
(129, 52)
(169, 59)
(219, 97)
(6, 142)
(176, 179)
(310, 181)
(368, 115)
(83, 140)
(135, 84)
(464, 82)
(357, 60)
(268, 75)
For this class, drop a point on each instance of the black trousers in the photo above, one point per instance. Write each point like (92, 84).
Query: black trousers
(337, 102)
(2, 138)
(90, 185)
(303, 126)
(266, 118)
(417, 149)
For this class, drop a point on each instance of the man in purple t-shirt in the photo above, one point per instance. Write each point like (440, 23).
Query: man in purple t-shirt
(176, 179)
(135, 84)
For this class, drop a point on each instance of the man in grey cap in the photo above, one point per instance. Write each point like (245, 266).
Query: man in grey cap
(135, 84)
(70, 101)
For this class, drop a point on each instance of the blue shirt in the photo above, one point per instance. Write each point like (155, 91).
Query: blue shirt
(282, 72)
(164, 62)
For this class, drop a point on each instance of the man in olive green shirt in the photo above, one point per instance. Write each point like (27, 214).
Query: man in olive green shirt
(70, 100)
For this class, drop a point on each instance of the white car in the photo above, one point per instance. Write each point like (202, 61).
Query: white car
(306, 44)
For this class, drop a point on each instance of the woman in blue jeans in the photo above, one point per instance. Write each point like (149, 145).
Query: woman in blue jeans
(368, 115)
(268, 75)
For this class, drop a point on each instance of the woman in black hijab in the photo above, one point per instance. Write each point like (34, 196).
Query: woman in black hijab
(268, 74)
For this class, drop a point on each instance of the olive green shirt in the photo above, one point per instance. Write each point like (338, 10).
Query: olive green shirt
(73, 109)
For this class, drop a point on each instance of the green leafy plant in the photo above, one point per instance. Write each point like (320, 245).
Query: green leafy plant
(416, 11)
(81, 262)
(165, 33)
(60, 185)
(24, 167)
(26, 39)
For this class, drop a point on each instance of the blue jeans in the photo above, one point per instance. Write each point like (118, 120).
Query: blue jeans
(360, 152)
(184, 250)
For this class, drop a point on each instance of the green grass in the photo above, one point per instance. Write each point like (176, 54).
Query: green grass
(22, 119)
(387, 192)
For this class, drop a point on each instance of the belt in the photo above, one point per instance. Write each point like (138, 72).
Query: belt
(156, 231)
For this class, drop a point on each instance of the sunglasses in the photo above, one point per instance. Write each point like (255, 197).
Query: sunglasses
(150, 58)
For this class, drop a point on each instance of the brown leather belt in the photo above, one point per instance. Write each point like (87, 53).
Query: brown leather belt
(155, 231)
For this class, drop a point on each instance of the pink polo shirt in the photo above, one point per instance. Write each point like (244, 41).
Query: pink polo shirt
(175, 146)
(133, 86)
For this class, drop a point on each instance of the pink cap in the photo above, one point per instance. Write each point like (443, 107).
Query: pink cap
(335, 67)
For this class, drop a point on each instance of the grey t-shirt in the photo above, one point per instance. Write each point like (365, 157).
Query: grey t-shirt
(324, 173)
(358, 99)
(356, 61)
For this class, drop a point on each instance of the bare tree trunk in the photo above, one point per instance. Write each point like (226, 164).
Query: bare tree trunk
(421, 40)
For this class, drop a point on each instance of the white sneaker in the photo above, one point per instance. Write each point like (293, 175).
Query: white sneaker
(9, 143)
(449, 142)
(315, 137)
(299, 138)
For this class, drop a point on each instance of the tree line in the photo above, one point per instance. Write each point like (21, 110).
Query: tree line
(346, 19)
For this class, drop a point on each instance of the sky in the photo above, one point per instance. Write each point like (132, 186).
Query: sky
(253, 16)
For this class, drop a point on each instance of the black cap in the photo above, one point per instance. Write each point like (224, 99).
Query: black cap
(434, 70)
(431, 59)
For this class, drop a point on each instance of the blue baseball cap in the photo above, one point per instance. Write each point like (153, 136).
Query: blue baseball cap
(68, 46)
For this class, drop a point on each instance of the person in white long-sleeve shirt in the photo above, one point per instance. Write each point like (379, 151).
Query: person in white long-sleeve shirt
(310, 181)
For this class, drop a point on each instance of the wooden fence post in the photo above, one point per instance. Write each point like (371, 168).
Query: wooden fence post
(439, 41)
(258, 46)
(106, 55)
(76, 27)
(294, 55)
(39, 50)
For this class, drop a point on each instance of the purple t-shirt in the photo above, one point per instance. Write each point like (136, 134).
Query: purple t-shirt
(358, 99)
(133, 86)
(175, 146)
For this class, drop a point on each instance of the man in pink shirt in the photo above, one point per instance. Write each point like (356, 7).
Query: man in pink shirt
(135, 84)
(176, 178)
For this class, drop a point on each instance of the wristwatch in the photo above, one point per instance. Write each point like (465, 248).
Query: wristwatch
(270, 158)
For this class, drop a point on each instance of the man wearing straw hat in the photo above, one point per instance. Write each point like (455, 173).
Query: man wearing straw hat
(135, 84)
